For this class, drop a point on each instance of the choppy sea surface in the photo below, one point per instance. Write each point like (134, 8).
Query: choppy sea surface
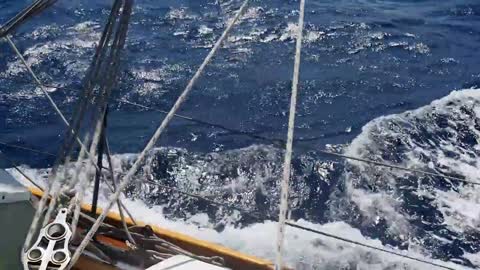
(393, 81)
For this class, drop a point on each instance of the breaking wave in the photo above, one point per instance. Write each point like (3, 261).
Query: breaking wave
(426, 217)
(405, 209)
(423, 216)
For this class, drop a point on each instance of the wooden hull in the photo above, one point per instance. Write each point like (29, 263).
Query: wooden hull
(233, 259)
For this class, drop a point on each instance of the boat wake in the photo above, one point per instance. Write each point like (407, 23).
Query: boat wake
(423, 216)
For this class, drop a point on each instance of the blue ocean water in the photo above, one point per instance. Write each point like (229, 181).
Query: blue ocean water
(370, 72)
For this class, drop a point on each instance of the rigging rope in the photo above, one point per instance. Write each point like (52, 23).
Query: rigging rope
(108, 80)
(46, 193)
(119, 204)
(122, 9)
(83, 186)
(109, 64)
(42, 87)
(329, 235)
(98, 174)
(70, 129)
(33, 9)
(205, 123)
(289, 145)
(290, 133)
(391, 166)
(27, 149)
(16, 167)
(127, 178)
(97, 64)
(35, 78)
(276, 142)
(52, 181)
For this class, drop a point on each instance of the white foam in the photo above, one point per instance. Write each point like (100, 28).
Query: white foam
(75, 40)
(86, 26)
(290, 33)
(459, 207)
(474, 258)
(205, 30)
(153, 82)
(252, 13)
(304, 250)
(182, 13)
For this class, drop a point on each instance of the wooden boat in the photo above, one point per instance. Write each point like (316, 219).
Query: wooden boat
(233, 259)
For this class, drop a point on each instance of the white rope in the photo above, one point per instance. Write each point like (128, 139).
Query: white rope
(42, 87)
(44, 90)
(88, 170)
(127, 178)
(36, 216)
(82, 186)
(46, 193)
(56, 189)
(41, 204)
(288, 151)
(119, 203)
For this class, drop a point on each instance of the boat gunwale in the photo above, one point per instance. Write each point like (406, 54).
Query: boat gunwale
(233, 258)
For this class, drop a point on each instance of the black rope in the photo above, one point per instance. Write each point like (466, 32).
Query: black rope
(114, 180)
(15, 166)
(89, 84)
(98, 82)
(274, 141)
(33, 9)
(376, 163)
(105, 75)
(96, 185)
(27, 149)
(365, 245)
(281, 143)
